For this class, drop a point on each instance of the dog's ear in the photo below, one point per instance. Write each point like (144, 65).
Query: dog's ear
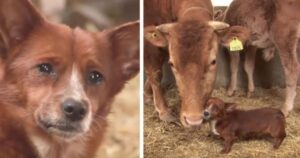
(209, 102)
(229, 107)
(125, 47)
(17, 19)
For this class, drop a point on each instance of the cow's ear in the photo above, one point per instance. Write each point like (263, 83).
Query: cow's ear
(17, 19)
(235, 32)
(155, 37)
(229, 107)
(125, 47)
(165, 28)
(160, 33)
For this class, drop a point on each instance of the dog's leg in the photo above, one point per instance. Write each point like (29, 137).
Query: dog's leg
(278, 135)
(228, 141)
(278, 141)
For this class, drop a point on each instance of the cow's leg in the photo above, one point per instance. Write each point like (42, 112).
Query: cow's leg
(148, 97)
(158, 97)
(234, 66)
(286, 42)
(291, 71)
(154, 60)
(249, 66)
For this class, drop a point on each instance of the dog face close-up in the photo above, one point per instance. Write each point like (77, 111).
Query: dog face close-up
(149, 78)
(67, 77)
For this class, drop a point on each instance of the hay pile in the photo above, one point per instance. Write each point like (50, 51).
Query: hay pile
(173, 141)
(122, 137)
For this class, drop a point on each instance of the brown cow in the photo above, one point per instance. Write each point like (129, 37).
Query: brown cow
(273, 24)
(185, 29)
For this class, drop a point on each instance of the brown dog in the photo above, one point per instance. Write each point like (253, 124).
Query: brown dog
(230, 123)
(58, 82)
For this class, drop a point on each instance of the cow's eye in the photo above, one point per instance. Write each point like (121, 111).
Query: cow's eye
(213, 62)
(170, 63)
(45, 68)
(95, 77)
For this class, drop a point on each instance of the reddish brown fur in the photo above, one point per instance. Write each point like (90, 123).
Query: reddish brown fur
(232, 124)
(27, 95)
(191, 41)
(187, 34)
(274, 25)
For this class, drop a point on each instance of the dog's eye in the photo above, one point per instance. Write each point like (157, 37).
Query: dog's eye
(95, 77)
(45, 68)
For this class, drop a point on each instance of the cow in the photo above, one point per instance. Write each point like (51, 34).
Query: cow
(184, 33)
(271, 25)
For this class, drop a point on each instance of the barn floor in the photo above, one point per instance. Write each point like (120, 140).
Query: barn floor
(122, 136)
(171, 140)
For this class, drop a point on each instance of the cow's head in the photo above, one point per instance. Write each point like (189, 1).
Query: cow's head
(193, 47)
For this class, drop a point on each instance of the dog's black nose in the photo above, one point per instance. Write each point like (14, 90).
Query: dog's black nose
(206, 113)
(73, 110)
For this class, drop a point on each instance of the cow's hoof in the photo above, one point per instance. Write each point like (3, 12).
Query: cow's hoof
(230, 92)
(224, 151)
(275, 147)
(249, 94)
(285, 112)
(167, 117)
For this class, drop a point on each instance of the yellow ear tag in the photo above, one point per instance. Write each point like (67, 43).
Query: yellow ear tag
(153, 35)
(236, 45)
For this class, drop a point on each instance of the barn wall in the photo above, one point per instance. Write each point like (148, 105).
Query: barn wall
(266, 74)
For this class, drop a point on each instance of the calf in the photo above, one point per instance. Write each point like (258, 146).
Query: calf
(242, 34)
(273, 24)
(230, 123)
(184, 33)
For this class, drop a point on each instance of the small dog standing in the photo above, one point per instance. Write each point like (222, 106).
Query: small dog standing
(230, 123)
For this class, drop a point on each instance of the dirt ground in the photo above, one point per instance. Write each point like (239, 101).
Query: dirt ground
(171, 140)
(122, 137)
